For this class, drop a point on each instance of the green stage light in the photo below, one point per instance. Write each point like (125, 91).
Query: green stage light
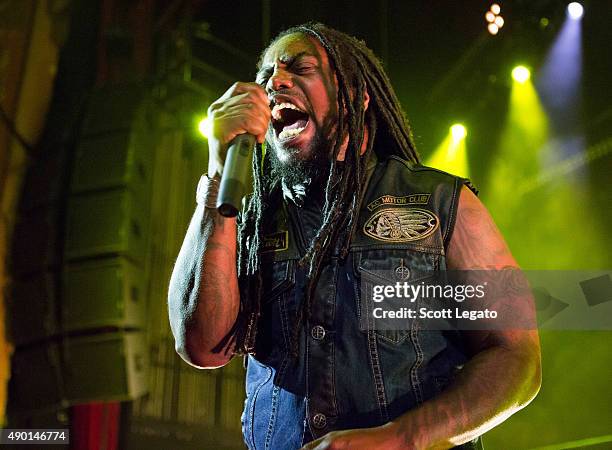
(458, 131)
(521, 74)
(204, 127)
(451, 154)
(521, 152)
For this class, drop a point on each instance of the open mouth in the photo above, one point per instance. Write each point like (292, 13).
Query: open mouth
(288, 120)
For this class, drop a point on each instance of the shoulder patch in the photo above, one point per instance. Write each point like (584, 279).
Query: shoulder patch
(388, 200)
(401, 224)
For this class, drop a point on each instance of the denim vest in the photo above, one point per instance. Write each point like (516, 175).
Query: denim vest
(346, 376)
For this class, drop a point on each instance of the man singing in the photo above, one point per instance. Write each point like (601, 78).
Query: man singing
(339, 194)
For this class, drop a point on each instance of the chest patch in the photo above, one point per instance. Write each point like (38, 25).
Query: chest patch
(275, 242)
(401, 224)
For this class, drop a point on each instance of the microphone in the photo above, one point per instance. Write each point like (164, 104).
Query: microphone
(237, 177)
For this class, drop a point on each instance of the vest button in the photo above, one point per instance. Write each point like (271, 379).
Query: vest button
(317, 332)
(402, 272)
(319, 420)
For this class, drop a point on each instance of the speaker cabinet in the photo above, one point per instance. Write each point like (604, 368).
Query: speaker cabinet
(100, 367)
(104, 223)
(106, 292)
(115, 159)
(113, 108)
(105, 367)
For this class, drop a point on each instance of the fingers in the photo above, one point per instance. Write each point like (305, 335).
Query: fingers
(246, 87)
(252, 91)
(261, 138)
(228, 122)
(243, 108)
(322, 443)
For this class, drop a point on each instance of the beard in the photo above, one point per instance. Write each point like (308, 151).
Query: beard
(309, 169)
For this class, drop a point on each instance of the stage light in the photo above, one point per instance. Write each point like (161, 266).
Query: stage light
(451, 154)
(544, 22)
(560, 77)
(494, 20)
(521, 74)
(204, 127)
(575, 10)
(458, 131)
(518, 156)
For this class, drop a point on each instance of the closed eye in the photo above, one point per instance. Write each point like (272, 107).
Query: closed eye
(303, 68)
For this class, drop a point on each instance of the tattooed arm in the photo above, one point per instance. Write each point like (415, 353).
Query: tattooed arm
(203, 297)
(502, 376)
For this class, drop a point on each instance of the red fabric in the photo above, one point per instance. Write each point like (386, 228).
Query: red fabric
(95, 426)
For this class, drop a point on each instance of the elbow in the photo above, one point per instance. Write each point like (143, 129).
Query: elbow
(188, 343)
(536, 383)
(532, 378)
(196, 355)
(192, 341)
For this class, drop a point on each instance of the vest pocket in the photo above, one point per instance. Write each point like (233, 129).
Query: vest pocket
(277, 278)
(277, 309)
(381, 306)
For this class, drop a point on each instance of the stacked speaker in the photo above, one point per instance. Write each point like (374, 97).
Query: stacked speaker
(77, 304)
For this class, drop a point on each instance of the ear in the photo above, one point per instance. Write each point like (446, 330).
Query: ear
(366, 99)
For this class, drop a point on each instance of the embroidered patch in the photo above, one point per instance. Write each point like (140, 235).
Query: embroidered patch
(414, 199)
(401, 224)
(275, 242)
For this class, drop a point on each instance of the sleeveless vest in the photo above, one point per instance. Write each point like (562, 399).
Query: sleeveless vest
(346, 375)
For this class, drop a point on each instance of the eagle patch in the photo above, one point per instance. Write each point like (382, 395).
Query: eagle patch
(401, 224)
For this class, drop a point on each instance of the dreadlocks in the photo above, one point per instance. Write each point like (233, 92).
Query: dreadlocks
(356, 69)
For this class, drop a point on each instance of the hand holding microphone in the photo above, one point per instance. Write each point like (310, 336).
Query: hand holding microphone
(237, 175)
(239, 118)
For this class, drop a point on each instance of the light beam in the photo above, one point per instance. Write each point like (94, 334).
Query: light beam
(451, 155)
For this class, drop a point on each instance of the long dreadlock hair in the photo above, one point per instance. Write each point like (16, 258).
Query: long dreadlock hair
(356, 69)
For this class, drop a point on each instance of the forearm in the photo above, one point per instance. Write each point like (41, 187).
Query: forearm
(504, 374)
(203, 299)
(493, 385)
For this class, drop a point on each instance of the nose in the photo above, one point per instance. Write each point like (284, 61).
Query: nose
(280, 79)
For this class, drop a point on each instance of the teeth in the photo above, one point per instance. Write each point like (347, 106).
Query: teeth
(286, 134)
(277, 109)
